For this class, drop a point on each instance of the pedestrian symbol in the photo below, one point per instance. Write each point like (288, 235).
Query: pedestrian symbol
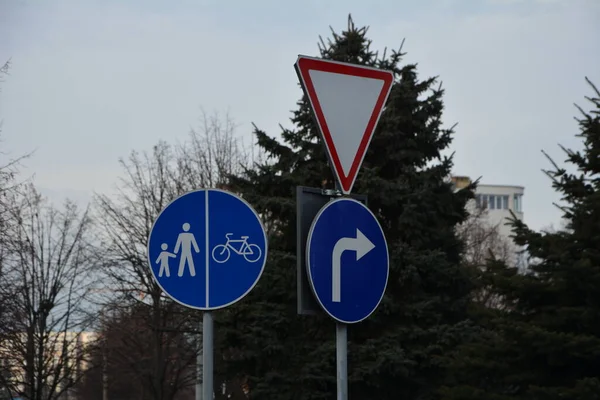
(163, 260)
(185, 241)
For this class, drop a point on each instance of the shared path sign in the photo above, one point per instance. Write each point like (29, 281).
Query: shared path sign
(207, 249)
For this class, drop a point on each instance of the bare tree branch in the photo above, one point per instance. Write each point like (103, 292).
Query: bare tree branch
(151, 180)
(211, 154)
(49, 270)
(484, 242)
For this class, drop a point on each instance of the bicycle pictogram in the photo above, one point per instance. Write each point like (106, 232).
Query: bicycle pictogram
(222, 252)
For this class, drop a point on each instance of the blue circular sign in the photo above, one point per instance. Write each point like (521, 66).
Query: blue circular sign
(207, 249)
(347, 260)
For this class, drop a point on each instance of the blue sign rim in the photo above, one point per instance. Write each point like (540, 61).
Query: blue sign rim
(262, 268)
(307, 257)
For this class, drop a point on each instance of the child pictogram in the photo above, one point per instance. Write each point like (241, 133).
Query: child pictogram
(163, 259)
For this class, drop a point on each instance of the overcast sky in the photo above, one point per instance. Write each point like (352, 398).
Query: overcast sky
(93, 80)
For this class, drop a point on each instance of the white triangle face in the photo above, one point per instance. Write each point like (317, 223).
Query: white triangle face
(347, 103)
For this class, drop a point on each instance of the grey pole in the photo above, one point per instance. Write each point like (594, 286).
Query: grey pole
(199, 367)
(341, 350)
(207, 356)
(341, 347)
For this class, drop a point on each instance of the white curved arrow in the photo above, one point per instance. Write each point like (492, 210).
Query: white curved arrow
(360, 244)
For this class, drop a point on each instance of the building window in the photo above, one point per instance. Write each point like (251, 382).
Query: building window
(492, 201)
(481, 200)
(517, 203)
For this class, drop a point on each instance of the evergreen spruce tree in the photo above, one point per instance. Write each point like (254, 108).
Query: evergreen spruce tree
(544, 344)
(396, 353)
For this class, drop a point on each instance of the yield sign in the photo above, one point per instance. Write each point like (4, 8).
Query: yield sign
(347, 101)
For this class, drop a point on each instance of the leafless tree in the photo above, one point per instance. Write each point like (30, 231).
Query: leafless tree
(483, 238)
(211, 153)
(484, 243)
(151, 180)
(124, 353)
(49, 271)
(9, 186)
(9, 182)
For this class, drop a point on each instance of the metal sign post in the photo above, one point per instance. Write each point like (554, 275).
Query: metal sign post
(207, 355)
(199, 373)
(341, 351)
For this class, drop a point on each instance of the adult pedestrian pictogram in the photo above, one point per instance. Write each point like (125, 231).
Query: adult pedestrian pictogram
(218, 245)
(185, 242)
(249, 251)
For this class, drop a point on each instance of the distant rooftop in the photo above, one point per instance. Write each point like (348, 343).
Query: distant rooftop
(462, 181)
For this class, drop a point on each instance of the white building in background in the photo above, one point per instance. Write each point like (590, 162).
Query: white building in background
(499, 201)
(494, 204)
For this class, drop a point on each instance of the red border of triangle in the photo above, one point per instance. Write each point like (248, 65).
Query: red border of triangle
(303, 66)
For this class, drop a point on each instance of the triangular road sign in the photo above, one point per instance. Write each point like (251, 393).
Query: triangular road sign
(347, 101)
